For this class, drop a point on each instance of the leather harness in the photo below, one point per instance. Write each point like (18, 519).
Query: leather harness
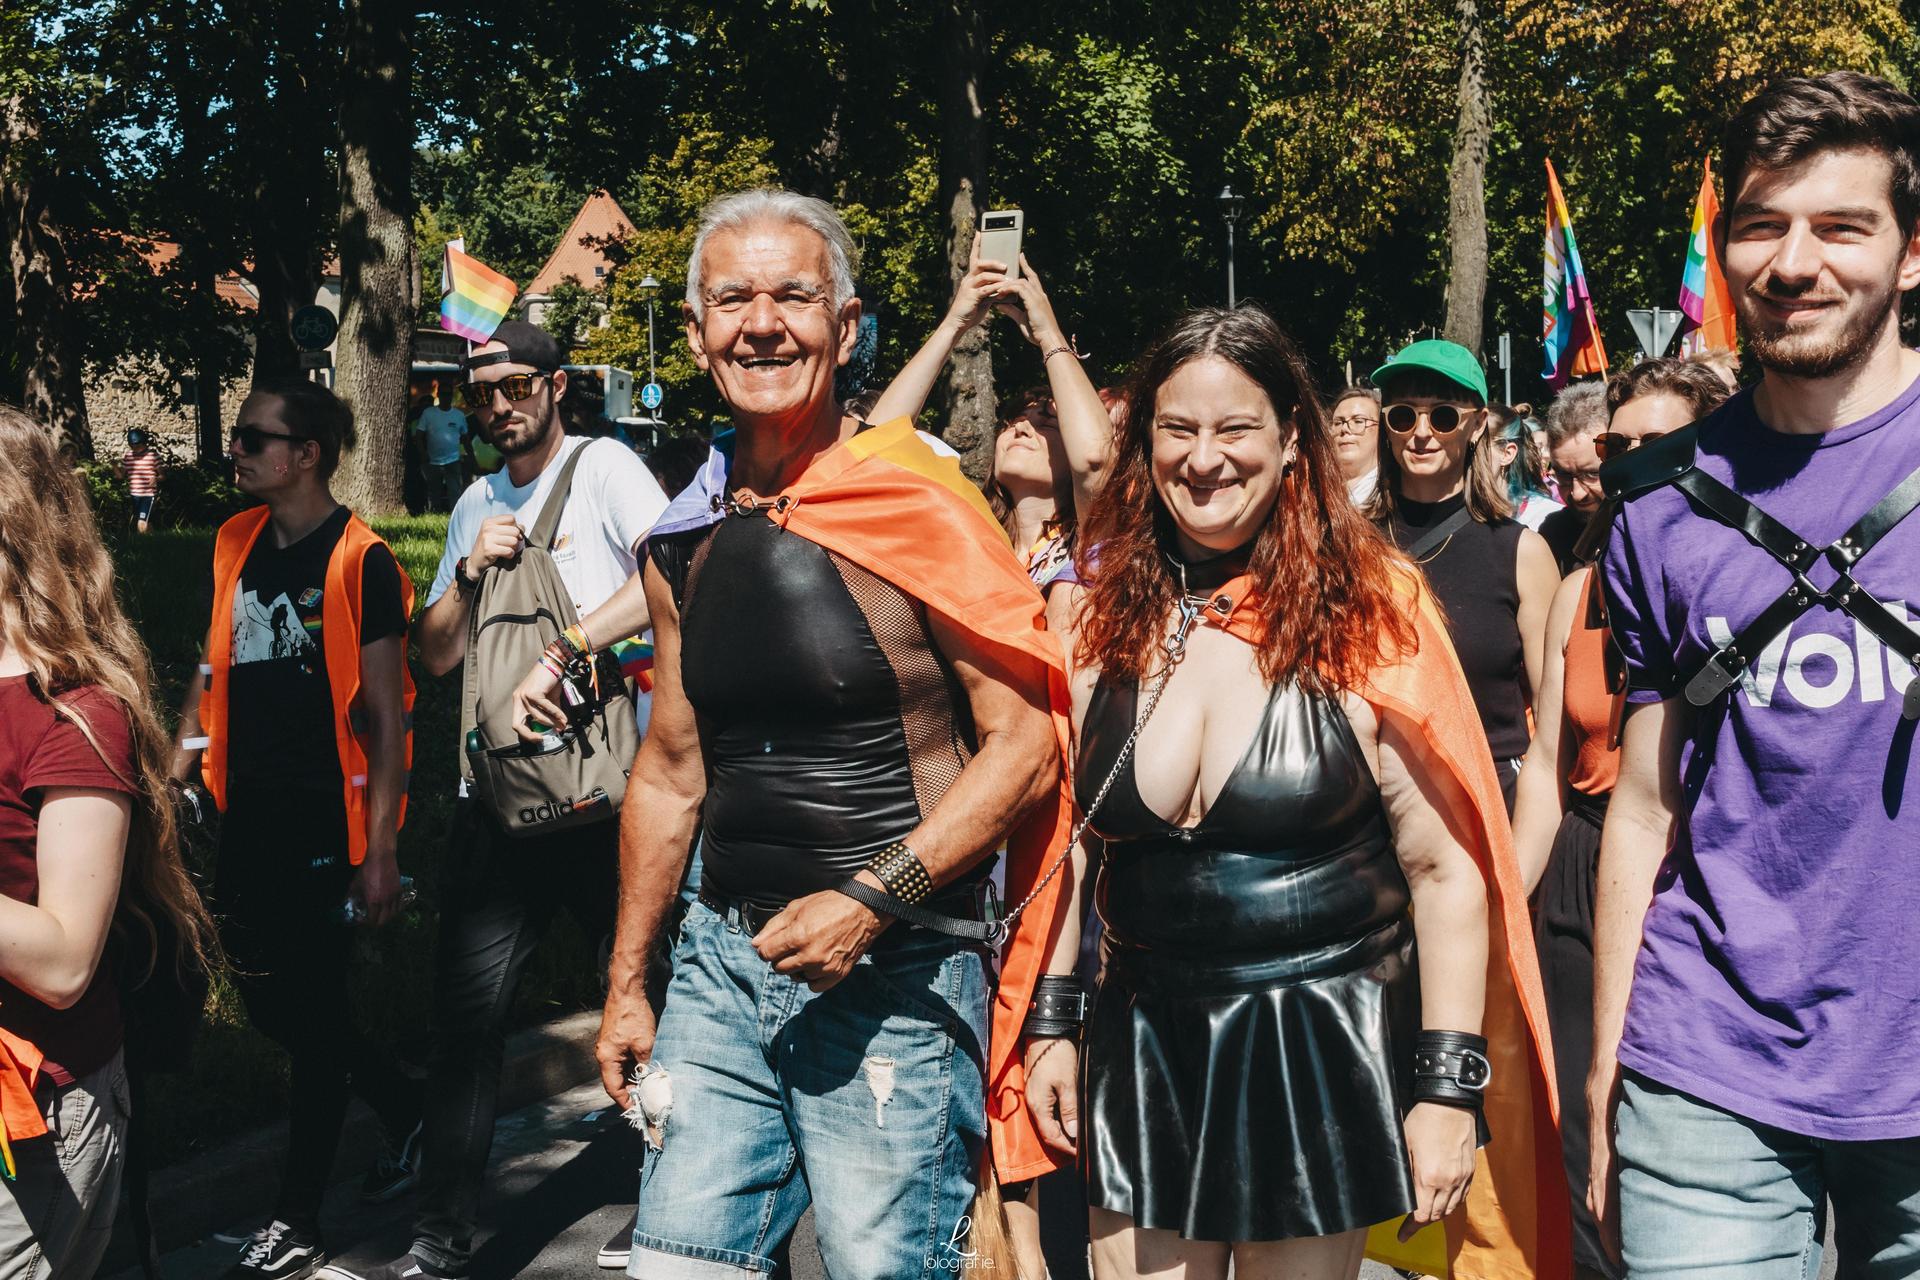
(1671, 460)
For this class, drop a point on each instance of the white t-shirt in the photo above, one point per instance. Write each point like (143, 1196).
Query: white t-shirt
(444, 430)
(1535, 509)
(615, 501)
(1360, 488)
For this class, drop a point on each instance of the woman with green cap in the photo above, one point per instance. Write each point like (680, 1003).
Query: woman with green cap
(1495, 578)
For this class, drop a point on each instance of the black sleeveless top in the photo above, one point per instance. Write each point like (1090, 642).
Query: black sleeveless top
(829, 723)
(1473, 575)
(1291, 875)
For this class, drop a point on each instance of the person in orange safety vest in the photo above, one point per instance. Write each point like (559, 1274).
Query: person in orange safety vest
(300, 730)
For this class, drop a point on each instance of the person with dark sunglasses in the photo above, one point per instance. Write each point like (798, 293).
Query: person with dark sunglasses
(1569, 773)
(1442, 500)
(299, 734)
(505, 890)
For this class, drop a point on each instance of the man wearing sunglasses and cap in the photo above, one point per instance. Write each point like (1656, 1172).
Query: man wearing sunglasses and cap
(299, 731)
(503, 890)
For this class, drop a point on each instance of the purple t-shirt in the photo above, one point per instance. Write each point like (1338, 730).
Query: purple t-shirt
(1778, 978)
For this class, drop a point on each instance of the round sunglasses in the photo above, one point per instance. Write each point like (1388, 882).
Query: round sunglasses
(1442, 419)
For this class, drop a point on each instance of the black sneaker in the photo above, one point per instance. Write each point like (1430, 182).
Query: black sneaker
(408, 1266)
(394, 1171)
(613, 1254)
(279, 1252)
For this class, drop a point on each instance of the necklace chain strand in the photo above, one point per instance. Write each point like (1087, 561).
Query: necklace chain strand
(1176, 647)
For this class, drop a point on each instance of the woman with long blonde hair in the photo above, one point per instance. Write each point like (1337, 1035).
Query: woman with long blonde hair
(88, 853)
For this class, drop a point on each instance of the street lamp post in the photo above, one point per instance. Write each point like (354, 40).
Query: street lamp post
(1230, 210)
(649, 289)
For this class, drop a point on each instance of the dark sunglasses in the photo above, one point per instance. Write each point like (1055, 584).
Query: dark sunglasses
(1442, 418)
(515, 386)
(1611, 444)
(252, 439)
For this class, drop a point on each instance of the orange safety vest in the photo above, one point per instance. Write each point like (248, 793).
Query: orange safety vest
(339, 642)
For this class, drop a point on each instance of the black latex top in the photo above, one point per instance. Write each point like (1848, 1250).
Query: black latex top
(798, 712)
(1290, 875)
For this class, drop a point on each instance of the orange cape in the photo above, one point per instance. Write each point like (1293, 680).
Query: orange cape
(886, 501)
(1516, 1223)
(19, 1111)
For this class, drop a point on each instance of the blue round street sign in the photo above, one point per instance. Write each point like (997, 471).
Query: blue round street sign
(651, 395)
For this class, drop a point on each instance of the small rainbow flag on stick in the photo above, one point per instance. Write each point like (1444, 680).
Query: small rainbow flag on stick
(1704, 295)
(475, 297)
(635, 656)
(1571, 330)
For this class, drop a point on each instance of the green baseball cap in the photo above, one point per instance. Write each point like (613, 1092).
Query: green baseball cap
(1448, 359)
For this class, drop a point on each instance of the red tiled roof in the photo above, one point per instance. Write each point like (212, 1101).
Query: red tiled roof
(600, 219)
(156, 254)
(231, 287)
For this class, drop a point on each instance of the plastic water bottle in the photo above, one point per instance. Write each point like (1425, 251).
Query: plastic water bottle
(354, 912)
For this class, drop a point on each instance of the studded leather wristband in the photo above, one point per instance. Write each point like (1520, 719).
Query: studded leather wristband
(902, 873)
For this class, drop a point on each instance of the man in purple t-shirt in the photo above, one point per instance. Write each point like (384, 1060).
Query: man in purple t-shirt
(1757, 1001)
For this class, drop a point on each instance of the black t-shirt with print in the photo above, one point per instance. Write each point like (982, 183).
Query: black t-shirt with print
(280, 701)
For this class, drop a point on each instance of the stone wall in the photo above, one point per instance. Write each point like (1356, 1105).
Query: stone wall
(127, 397)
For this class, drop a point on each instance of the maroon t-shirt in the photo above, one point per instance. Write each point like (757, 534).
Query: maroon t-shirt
(40, 749)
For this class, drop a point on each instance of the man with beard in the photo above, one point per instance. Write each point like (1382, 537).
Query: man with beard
(853, 707)
(1754, 890)
(500, 892)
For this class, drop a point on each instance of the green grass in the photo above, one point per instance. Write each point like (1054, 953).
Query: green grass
(238, 1079)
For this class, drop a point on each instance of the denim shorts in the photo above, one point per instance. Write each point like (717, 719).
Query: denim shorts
(866, 1101)
(1709, 1195)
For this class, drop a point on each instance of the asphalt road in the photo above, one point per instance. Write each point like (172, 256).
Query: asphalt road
(562, 1180)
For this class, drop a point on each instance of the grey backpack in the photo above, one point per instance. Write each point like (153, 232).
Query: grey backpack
(576, 774)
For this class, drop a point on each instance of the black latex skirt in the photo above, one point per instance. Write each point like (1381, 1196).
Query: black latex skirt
(1249, 1056)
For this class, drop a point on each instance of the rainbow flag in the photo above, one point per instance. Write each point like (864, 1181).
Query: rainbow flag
(635, 656)
(475, 297)
(1571, 330)
(1704, 295)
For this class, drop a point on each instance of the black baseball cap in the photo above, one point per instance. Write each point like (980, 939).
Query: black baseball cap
(525, 343)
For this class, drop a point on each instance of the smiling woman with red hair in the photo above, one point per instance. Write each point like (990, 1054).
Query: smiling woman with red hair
(1281, 757)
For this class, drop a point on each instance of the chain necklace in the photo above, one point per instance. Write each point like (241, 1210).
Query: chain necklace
(1191, 605)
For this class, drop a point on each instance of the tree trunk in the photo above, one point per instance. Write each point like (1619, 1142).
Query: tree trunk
(50, 357)
(284, 216)
(971, 409)
(196, 254)
(375, 347)
(1467, 203)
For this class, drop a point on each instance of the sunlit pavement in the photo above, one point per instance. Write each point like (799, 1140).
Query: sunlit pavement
(562, 1180)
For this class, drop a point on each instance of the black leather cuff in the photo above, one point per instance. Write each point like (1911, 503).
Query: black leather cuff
(1059, 1007)
(1451, 1068)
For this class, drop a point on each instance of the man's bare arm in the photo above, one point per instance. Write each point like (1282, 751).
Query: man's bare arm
(658, 821)
(625, 613)
(1639, 831)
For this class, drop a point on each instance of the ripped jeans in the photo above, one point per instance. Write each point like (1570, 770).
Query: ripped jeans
(866, 1100)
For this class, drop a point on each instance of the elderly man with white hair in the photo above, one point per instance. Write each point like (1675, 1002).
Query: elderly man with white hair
(852, 710)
